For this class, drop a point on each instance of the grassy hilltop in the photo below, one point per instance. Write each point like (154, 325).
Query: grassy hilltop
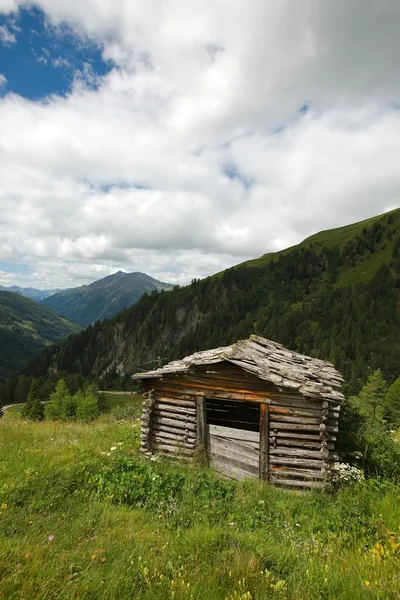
(83, 516)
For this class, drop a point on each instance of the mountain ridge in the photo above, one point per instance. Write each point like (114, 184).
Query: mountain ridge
(103, 298)
(29, 292)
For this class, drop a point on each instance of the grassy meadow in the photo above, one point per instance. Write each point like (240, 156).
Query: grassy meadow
(83, 516)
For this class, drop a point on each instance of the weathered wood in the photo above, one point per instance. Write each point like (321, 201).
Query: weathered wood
(296, 452)
(202, 432)
(190, 433)
(279, 471)
(264, 450)
(236, 434)
(291, 411)
(181, 402)
(293, 426)
(161, 434)
(179, 417)
(175, 423)
(244, 445)
(177, 410)
(294, 443)
(295, 462)
(173, 449)
(232, 470)
(234, 449)
(278, 418)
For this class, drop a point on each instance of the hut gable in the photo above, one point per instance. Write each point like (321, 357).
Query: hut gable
(256, 408)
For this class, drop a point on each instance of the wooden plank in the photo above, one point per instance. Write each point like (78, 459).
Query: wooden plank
(292, 427)
(180, 437)
(291, 411)
(294, 443)
(252, 447)
(178, 410)
(296, 452)
(263, 458)
(178, 401)
(173, 449)
(231, 450)
(295, 419)
(190, 433)
(174, 423)
(232, 433)
(312, 436)
(298, 473)
(202, 432)
(232, 471)
(179, 417)
(295, 462)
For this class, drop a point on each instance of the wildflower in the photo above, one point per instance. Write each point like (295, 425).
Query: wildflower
(94, 556)
(119, 443)
(367, 583)
(232, 523)
(113, 448)
(108, 453)
(50, 538)
(4, 506)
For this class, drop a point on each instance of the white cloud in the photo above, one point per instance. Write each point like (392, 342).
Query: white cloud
(6, 36)
(134, 173)
(3, 80)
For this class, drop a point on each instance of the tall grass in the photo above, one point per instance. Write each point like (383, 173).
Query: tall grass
(80, 520)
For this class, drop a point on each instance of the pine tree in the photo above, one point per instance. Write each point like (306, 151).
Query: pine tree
(33, 408)
(58, 402)
(370, 399)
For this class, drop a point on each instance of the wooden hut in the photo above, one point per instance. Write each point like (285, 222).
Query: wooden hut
(257, 409)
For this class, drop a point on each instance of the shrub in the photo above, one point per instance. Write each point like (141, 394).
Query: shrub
(87, 404)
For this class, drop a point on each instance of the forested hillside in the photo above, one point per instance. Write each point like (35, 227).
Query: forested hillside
(103, 298)
(335, 296)
(25, 328)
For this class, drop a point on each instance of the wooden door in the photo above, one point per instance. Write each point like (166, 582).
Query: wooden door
(233, 438)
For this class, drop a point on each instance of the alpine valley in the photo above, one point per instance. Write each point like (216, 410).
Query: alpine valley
(25, 328)
(334, 296)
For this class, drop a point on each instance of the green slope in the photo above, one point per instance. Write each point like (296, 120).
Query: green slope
(25, 328)
(103, 298)
(335, 296)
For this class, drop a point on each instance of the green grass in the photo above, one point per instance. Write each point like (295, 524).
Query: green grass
(128, 528)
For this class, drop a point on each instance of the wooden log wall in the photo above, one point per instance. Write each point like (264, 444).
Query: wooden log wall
(171, 429)
(301, 431)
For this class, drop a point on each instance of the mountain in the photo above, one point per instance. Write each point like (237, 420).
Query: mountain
(29, 292)
(103, 298)
(25, 328)
(335, 296)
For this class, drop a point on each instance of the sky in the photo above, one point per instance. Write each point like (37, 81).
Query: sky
(178, 137)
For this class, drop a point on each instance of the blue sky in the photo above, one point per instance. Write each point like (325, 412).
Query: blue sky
(43, 60)
(180, 138)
